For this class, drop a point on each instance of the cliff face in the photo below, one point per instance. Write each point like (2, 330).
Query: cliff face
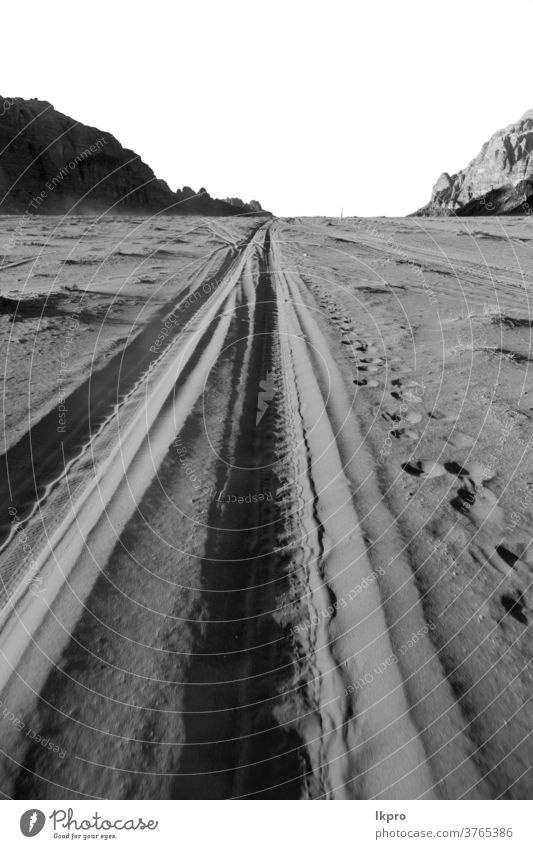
(51, 164)
(499, 181)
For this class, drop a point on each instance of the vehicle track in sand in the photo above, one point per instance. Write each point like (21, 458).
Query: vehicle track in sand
(225, 626)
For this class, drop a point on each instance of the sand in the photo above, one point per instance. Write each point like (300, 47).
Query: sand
(307, 573)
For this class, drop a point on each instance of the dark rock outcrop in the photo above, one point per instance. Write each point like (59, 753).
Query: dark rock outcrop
(51, 164)
(251, 206)
(499, 181)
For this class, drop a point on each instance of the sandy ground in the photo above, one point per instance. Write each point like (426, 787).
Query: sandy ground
(315, 581)
(75, 291)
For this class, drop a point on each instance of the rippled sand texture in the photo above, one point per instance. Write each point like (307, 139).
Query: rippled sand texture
(276, 544)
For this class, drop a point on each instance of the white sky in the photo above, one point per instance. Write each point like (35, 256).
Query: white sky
(306, 106)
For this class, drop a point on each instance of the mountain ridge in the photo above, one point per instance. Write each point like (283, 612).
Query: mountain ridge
(53, 164)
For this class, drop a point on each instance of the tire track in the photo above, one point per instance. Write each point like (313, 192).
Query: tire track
(240, 683)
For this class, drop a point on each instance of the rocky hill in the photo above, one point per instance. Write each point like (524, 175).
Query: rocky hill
(51, 164)
(251, 206)
(499, 181)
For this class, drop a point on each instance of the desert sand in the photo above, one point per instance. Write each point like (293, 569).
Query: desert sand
(268, 508)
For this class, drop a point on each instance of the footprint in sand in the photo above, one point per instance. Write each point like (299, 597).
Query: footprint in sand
(425, 468)
(520, 569)
(439, 415)
(408, 433)
(514, 605)
(479, 505)
(521, 543)
(408, 390)
(520, 590)
(391, 416)
(456, 469)
(461, 440)
(412, 417)
(479, 473)
(473, 498)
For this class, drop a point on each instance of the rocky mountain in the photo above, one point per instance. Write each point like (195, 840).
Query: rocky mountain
(499, 181)
(51, 164)
(251, 206)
